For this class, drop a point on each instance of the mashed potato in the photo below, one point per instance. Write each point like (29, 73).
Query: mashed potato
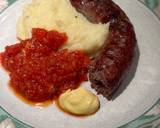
(61, 16)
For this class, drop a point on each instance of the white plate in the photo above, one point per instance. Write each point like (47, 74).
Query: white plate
(141, 93)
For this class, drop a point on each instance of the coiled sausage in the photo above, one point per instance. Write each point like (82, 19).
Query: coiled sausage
(108, 69)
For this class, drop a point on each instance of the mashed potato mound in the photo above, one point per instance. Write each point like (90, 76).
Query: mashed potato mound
(61, 16)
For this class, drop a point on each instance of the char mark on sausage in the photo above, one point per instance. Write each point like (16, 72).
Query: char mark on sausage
(109, 68)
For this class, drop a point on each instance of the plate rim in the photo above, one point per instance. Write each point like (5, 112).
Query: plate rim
(26, 125)
(123, 126)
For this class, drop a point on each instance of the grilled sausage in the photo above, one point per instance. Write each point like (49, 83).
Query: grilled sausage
(108, 69)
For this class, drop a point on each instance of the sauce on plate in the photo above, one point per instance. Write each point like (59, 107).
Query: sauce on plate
(79, 102)
(40, 70)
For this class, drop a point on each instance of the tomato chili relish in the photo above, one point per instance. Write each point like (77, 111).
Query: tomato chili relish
(40, 70)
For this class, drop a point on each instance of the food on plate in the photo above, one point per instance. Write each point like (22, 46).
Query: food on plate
(108, 70)
(60, 15)
(63, 41)
(79, 102)
(39, 71)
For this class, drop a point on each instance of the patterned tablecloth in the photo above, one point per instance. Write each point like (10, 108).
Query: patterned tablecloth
(149, 120)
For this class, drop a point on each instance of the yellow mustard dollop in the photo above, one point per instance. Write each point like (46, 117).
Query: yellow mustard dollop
(79, 101)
